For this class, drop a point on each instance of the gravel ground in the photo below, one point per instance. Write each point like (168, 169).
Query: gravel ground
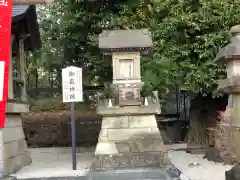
(194, 167)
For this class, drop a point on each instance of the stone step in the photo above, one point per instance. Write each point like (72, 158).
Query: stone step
(58, 178)
(167, 173)
(130, 160)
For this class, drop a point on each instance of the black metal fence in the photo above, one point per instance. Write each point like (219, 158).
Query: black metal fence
(53, 92)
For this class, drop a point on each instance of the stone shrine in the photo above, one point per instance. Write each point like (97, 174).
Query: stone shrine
(129, 135)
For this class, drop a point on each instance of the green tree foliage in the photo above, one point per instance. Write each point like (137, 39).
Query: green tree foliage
(187, 35)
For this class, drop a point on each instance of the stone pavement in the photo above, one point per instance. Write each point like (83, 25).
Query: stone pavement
(120, 174)
(55, 163)
(195, 167)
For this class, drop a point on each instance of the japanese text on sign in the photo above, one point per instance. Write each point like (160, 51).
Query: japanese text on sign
(72, 84)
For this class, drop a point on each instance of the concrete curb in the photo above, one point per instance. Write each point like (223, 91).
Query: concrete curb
(165, 173)
(8, 178)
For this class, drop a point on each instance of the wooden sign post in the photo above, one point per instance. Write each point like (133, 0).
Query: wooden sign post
(72, 92)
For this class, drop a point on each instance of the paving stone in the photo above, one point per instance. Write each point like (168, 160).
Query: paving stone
(8, 178)
(122, 174)
(130, 160)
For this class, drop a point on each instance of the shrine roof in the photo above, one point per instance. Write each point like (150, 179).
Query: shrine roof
(232, 50)
(19, 9)
(123, 39)
(24, 23)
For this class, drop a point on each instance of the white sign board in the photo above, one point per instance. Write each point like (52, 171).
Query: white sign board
(72, 84)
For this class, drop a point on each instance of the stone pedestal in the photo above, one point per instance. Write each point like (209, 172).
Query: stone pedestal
(13, 146)
(235, 125)
(231, 85)
(234, 173)
(235, 142)
(129, 137)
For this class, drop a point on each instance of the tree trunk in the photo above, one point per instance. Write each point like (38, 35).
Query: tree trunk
(203, 120)
(197, 135)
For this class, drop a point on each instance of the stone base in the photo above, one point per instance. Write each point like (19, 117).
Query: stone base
(234, 173)
(213, 154)
(14, 149)
(129, 140)
(8, 178)
(130, 160)
(235, 143)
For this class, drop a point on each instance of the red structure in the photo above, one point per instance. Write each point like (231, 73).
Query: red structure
(5, 43)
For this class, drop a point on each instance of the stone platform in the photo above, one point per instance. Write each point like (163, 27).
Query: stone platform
(129, 137)
(14, 149)
(130, 160)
